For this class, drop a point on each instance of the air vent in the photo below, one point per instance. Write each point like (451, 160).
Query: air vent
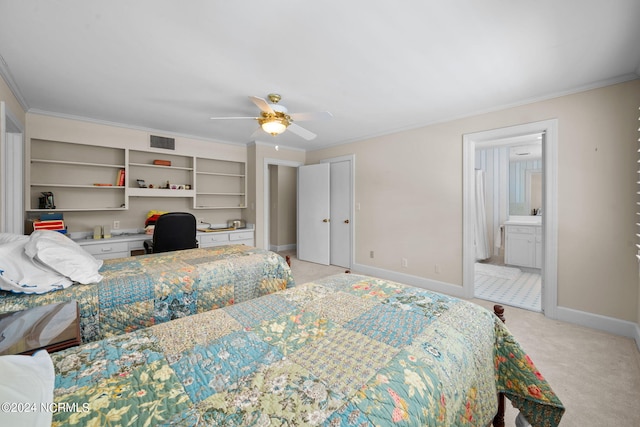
(163, 142)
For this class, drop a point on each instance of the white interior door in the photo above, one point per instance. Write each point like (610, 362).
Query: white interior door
(313, 213)
(340, 200)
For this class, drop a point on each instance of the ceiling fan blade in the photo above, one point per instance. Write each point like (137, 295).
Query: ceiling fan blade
(262, 104)
(232, 118)
(258, 133)
(319, 115)
(300, 131)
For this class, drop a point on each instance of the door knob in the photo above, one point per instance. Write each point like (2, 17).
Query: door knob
(346, 221)
(325, 220)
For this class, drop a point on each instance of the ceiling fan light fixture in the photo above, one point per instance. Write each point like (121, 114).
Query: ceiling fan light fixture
(274, 125)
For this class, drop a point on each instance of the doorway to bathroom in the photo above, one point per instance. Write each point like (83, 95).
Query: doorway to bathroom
(510, 254)
(508, 211)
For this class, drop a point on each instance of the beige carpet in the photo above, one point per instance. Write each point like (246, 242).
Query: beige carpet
(595, 374)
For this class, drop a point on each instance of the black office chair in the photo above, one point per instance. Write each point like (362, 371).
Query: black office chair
(173, 231)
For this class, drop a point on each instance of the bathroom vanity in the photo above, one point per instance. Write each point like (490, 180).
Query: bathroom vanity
(523, 242)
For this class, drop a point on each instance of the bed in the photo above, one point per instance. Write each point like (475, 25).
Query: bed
(141, 291)
(348, 350)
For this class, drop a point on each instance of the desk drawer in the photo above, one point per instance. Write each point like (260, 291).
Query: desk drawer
(108, 248)
(245, 235)
(210, 238)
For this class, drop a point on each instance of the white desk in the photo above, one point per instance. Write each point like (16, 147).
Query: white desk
(123, 245)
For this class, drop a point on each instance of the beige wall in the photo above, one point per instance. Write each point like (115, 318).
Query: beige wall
(66, 130)
(409, 189)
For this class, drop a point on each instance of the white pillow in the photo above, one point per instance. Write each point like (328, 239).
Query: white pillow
(10, 237)
(21, 274)
(27, 380)
(65, 256)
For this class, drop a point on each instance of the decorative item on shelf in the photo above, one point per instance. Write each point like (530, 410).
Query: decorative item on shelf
(50, 221)
(141, 183)
(162, 162)
(236, 224)
(120, 178)
(46, 201)
(97, 232)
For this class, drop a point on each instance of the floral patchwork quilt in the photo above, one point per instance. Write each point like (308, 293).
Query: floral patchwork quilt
(348, 350)
(141, 291)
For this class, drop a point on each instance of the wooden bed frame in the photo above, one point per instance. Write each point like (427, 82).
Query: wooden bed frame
(498, 310)
(498, 420)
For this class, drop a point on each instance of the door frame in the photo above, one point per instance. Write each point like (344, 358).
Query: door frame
(12, 156)
(267, 192)
(549, 301)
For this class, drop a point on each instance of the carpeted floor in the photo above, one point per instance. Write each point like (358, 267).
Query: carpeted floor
(508, 285)
(595, 374)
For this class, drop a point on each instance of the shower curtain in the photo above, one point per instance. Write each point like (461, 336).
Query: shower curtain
(481, 240)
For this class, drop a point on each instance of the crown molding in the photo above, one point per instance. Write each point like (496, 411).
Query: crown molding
(578, 89)
(275, 146)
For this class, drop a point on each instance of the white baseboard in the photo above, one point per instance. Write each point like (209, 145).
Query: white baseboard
(602, 323)
(419, 282)
(595, 321)
(280, 248)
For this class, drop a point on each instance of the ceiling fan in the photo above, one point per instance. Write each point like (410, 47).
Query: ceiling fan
(275, 119)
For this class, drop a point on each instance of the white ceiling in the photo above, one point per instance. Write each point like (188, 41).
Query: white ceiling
(378, 66)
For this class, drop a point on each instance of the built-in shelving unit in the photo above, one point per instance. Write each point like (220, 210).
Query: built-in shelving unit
(220, 184)
(85, 177)
(81, 177)
(178, 176)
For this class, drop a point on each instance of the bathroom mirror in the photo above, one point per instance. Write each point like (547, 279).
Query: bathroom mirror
(525, 179)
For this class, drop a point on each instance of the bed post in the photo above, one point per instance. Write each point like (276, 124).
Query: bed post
(498, 420)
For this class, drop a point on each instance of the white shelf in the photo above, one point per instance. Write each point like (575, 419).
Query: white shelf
(219, 194)
(219, 207)
(222, 174)
(159, 192)
(75, 209)
(145, 165)
(97, 187)
(70, 163)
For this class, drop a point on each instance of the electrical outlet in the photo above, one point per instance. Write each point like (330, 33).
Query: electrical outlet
(436, 268)
(371, 254)
(405, 263)
(116, 225)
